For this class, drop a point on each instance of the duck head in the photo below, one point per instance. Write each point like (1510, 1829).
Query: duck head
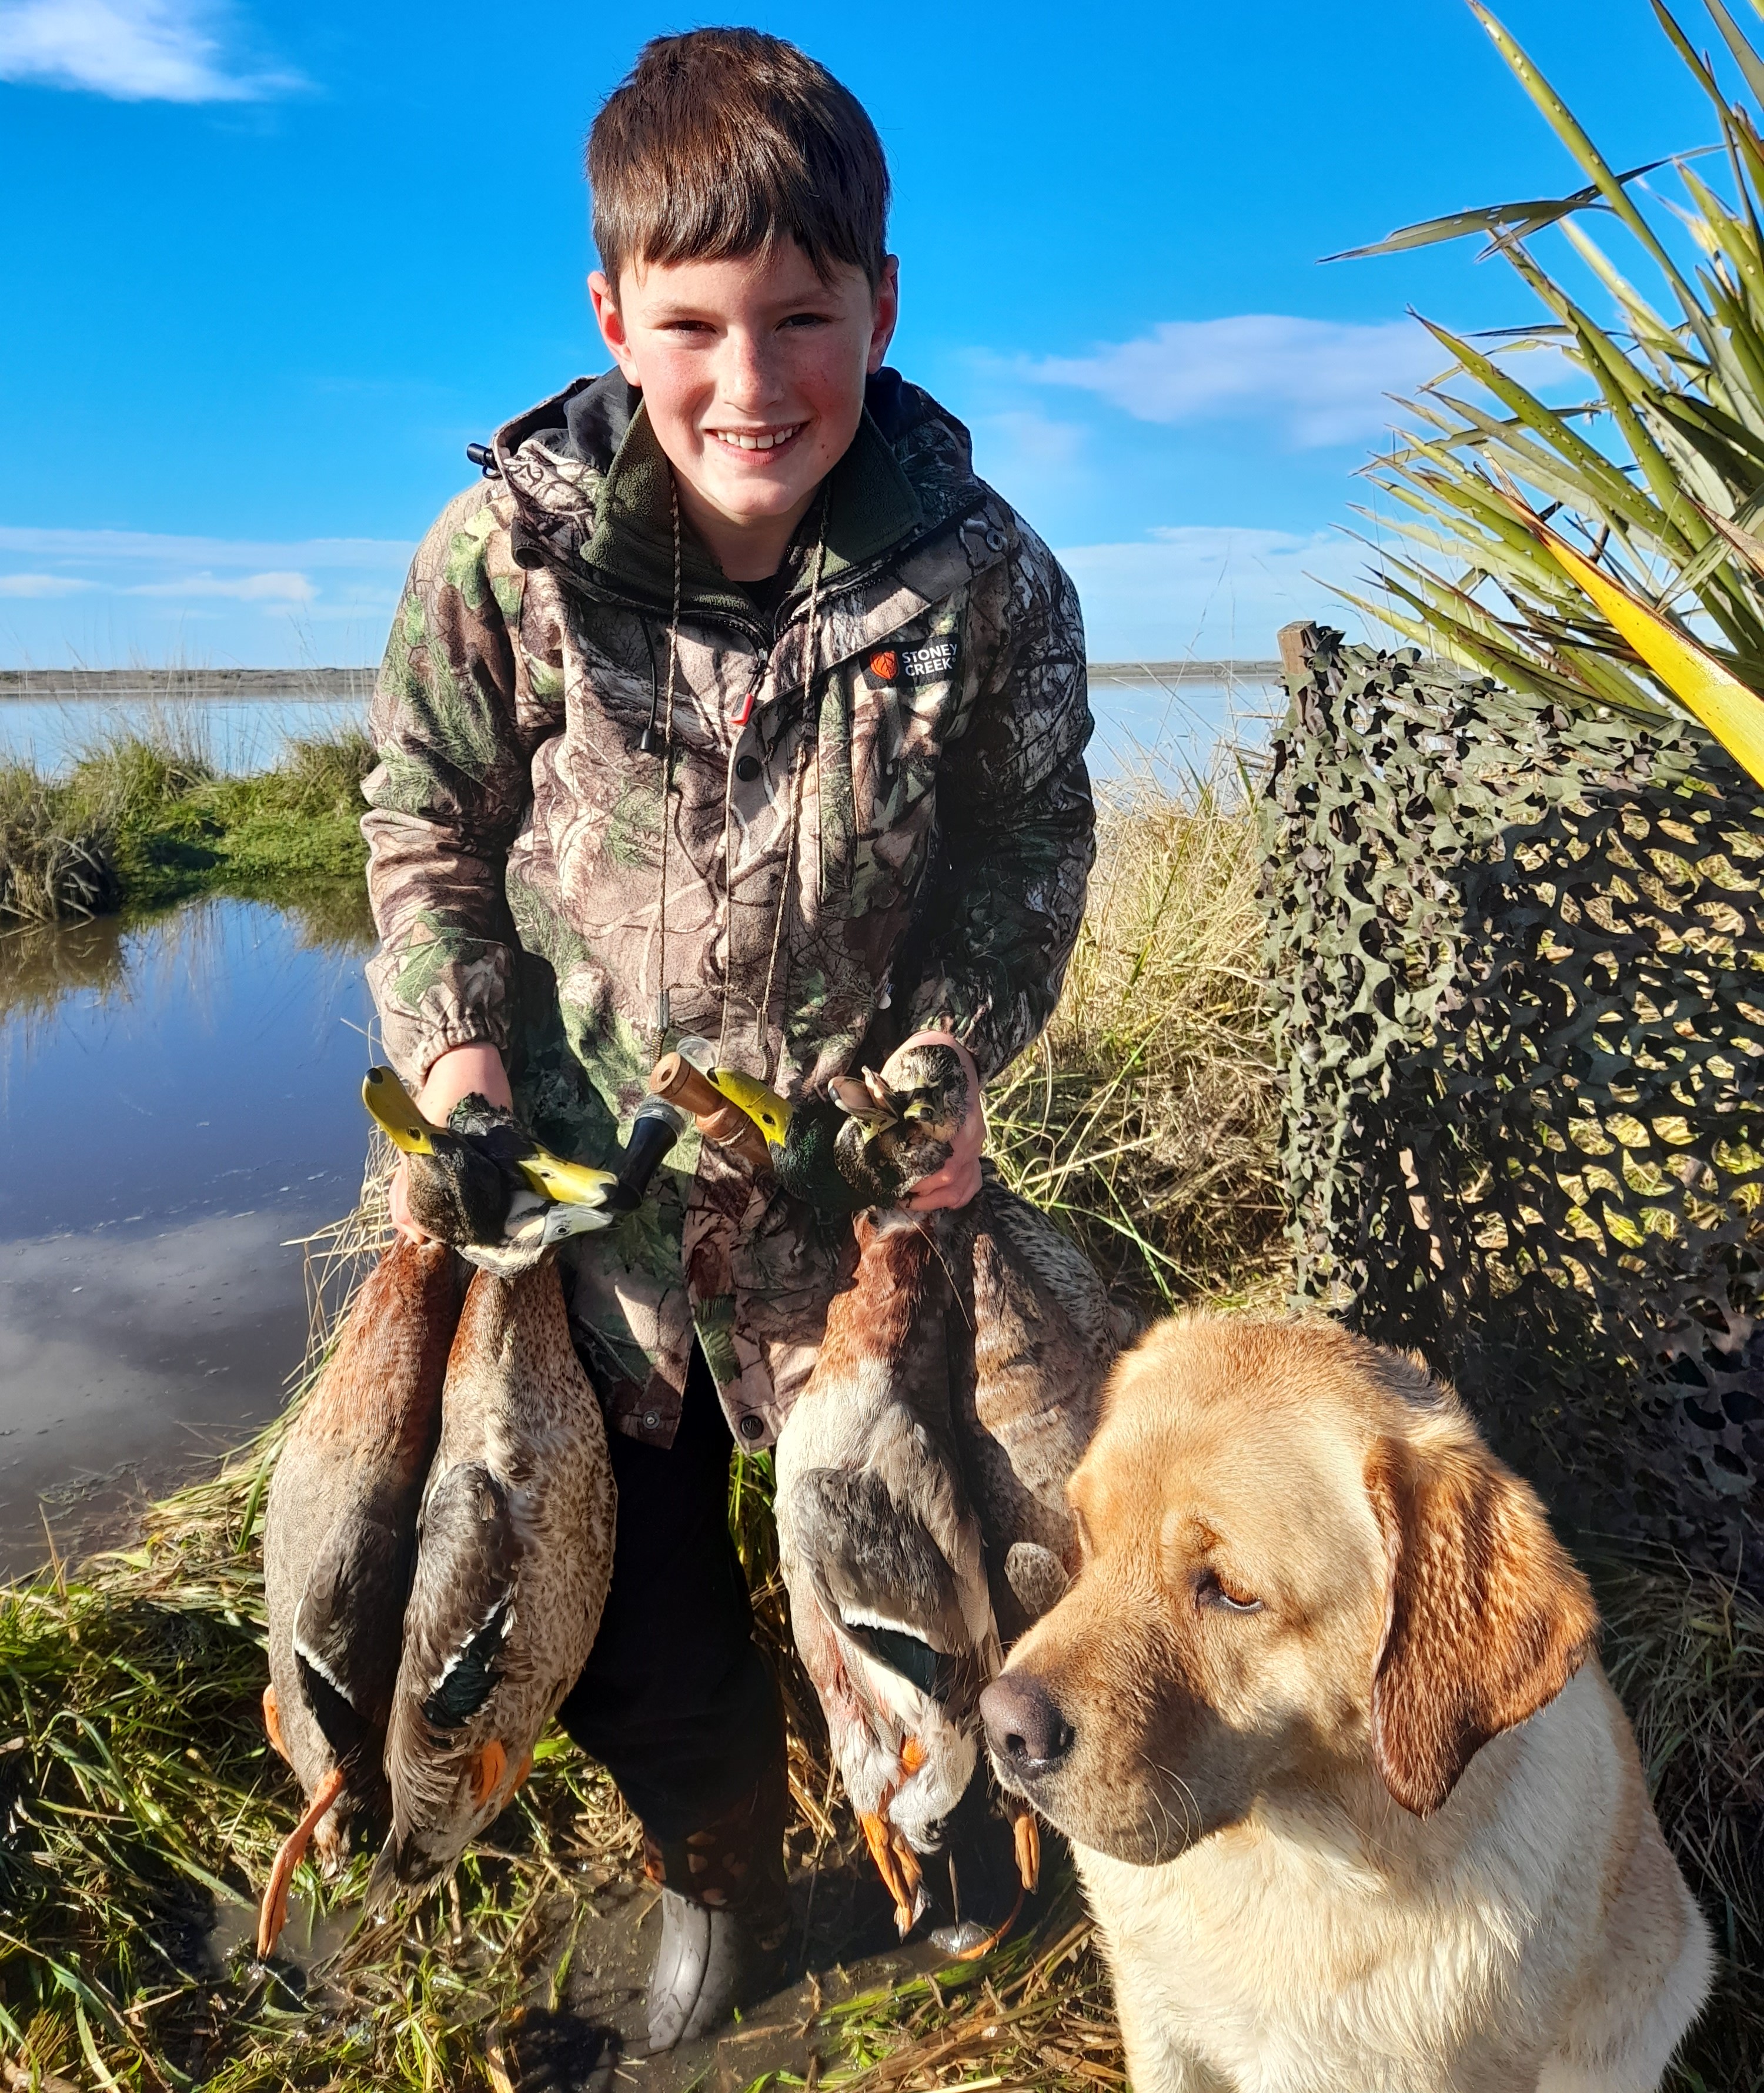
(903, 1127)
(481, 1184)
(872, 1138)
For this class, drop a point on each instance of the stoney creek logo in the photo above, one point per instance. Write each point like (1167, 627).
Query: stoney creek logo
(911, 665)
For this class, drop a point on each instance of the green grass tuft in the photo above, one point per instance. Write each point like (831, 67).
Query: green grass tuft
(144, 819)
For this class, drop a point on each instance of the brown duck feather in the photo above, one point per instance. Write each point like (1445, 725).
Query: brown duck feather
(1044, 1337)
(339, 1542)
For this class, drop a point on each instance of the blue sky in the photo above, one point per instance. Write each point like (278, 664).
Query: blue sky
(267, 268)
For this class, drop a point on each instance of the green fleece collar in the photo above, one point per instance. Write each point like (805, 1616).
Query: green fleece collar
(872, 506)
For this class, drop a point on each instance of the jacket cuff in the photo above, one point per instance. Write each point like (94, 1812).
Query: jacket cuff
(460, 1007)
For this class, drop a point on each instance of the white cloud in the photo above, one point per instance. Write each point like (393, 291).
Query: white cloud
(132, 50)
(245, 588)
(1201, 592)
(41, 585)
(1320, 381)
(103, 596)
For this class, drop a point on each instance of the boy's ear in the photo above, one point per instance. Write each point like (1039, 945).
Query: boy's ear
(605, 299)
(1487, 1618)
(887, 314)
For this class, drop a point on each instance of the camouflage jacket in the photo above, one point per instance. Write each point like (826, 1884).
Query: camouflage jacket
(896, 830)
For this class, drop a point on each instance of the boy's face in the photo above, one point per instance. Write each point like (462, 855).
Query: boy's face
(753, 373)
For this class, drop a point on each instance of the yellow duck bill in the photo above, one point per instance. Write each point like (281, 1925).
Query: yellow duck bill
(394, 1111)
(769, 1112)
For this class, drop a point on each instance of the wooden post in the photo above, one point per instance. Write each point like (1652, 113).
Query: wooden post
(1297, 642)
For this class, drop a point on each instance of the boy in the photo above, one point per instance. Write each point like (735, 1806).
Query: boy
(731, 704)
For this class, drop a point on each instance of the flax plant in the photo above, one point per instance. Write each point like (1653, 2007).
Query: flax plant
(1655, 474)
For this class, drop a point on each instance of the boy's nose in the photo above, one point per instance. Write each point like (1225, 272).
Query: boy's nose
(747, 378)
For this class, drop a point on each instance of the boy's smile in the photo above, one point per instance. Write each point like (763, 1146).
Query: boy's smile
(753, 372)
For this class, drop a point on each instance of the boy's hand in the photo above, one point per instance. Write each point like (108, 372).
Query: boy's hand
(456, 1074)
(958, 1180)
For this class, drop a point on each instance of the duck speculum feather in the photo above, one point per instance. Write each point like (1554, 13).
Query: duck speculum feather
(339, 1537)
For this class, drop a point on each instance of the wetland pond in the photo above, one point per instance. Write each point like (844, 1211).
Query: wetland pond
(179, 1103)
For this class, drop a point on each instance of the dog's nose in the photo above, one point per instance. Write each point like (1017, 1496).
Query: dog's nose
(1025, 1727)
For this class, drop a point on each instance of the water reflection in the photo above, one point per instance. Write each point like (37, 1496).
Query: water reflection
(179, 1099)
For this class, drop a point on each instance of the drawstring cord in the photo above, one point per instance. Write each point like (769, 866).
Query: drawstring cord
(799, 767)
(662, 1013)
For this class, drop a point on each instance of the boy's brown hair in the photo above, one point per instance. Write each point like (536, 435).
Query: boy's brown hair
(722, 142)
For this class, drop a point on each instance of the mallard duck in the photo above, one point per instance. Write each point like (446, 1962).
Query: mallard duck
(339, 1532)
(514, 1559)
(883, 1554)
(871, 1138)
(1045, 1335)
(1026, 1346)
(481, 1184)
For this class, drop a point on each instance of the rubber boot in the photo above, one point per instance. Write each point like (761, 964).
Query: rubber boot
(723, 1914)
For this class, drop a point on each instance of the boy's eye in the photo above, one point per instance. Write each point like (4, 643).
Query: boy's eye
(807, 320)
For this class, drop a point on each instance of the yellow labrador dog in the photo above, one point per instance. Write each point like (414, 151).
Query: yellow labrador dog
(1354, 1807)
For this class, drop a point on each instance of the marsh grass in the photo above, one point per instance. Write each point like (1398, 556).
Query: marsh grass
(140, 1803)
(1145, 1119)
(143, 818)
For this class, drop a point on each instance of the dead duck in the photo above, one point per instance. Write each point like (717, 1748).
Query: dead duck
(514, 1556)
(481, 1184)
(1026, 1337)
(339, 1533)
(883, 1554)
(1045, 1337)
(871, 1138)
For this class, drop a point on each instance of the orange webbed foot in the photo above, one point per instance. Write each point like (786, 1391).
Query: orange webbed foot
(487, 1772)
(272, 1914)
(1025, 1840)
(272, 1722)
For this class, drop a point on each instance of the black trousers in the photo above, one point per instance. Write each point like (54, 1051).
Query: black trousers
(675, 1701)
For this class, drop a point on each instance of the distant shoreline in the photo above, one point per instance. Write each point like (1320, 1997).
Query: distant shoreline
(203, 686)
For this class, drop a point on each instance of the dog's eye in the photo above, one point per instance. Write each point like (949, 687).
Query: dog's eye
(1211, 1590)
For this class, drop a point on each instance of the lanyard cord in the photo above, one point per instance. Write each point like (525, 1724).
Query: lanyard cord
(799, 766)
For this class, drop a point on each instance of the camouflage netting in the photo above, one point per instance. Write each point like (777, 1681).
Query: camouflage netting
(1518, 957)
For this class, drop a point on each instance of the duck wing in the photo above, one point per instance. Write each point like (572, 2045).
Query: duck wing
(514, 1559)
(1045, 1337)
(339, 1524)
(347, 1627)
(881, 1574)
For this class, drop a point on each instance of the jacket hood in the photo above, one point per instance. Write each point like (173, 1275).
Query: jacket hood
(592, 488)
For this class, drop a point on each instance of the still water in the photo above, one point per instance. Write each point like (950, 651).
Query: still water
(1166, 730)
(179, 1100)
(237, 735)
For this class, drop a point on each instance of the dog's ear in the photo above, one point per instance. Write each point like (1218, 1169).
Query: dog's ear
(1487, 1619)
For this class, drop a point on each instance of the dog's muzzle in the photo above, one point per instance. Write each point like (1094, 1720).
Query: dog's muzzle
(1027, 1735)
